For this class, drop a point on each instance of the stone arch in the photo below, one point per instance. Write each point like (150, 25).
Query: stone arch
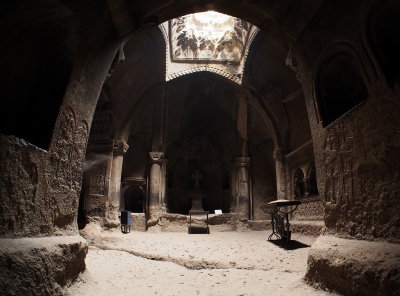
(339, 83)
(383, 31)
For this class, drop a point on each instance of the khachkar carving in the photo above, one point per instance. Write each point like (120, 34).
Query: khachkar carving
(338, 146)
(63, 136)
(69, 145)
(78, 153)
(98, 180)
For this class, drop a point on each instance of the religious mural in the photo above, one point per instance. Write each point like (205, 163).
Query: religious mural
(210, 36)
(207, 41)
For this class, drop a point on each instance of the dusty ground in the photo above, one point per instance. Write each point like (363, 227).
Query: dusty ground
(220, 263)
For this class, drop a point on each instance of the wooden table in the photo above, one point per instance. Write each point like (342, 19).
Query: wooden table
(279, 211)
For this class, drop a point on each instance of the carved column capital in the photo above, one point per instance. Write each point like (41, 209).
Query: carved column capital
(120, 148)
(156, 157)
(242, 161)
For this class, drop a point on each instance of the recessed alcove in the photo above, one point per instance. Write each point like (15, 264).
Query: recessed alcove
(340, 86)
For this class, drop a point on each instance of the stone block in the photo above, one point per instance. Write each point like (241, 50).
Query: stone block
(40, 266)
(355, 267)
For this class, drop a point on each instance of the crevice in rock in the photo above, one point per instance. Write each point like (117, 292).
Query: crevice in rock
(191, 264)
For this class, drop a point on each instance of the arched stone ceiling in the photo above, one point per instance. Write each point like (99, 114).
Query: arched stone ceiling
(266, 77)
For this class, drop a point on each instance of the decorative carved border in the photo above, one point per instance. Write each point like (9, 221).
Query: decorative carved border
(237, 78)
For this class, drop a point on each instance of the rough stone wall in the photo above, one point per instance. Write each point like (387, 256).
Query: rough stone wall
(357, 156)
(39, 189)
(310, 209)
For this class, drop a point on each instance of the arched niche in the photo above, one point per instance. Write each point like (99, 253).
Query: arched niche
(384, 32)
(311, 183)
(339, 86)
(134, 199)
(299, 188)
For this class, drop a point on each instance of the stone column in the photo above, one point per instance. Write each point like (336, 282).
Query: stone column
(280, 173)
(242, 188)
(163, 186)
(155, 188)
(114, 200)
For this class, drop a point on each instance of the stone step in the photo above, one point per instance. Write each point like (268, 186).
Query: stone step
(40, 266)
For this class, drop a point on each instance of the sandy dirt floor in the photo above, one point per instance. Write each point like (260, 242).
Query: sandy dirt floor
(220, 263)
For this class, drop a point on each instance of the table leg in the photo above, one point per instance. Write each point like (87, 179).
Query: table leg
(287, 233)
(274, 220)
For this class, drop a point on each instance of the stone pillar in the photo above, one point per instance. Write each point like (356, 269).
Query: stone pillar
(155, 188)
(242, 126)
(163, 186)
(280, 173)
(242, 188)
(114, 199)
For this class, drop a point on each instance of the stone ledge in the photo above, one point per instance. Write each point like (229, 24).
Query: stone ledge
(40, 266)
(355, 267)
(260, 225)
(308, 227)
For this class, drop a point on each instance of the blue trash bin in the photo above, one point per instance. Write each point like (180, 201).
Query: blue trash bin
(125, 221)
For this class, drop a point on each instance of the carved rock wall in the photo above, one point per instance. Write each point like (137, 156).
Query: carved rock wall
(358, 155)
(310, 209)
(39, 189)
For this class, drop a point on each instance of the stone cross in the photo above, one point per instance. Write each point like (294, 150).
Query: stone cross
(197, 176)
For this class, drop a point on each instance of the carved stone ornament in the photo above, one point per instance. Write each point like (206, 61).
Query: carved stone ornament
(156, 156)
(120, 147)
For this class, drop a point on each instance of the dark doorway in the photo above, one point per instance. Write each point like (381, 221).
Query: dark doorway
(134, 199)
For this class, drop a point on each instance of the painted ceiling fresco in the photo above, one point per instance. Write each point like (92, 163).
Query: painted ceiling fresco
(207, 41)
